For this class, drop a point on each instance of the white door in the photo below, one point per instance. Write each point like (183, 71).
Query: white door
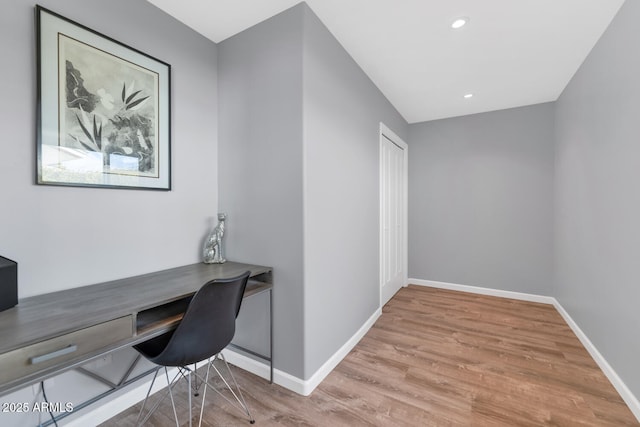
(393, 214)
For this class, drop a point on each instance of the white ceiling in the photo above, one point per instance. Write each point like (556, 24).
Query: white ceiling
(512, 52)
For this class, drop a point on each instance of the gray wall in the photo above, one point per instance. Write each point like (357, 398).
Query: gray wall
(67, 237)
(597, 197)
(342, 113)
(293, 102)
(481, 200)
(260, 168)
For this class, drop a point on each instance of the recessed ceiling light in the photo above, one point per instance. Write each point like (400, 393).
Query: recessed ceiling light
(459, 22)
(468, 95)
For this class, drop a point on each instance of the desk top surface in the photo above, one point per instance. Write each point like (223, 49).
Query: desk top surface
(49, 315)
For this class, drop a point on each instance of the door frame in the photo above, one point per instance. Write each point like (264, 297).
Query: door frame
(387, 133)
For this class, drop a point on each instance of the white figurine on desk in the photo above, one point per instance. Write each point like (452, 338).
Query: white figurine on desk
(212, 251)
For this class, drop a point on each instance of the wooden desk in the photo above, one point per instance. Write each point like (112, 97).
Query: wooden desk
(47, 334)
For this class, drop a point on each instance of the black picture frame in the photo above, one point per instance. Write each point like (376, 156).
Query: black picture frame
(103, 111)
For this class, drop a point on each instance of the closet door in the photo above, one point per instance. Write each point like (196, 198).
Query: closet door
(393, 214)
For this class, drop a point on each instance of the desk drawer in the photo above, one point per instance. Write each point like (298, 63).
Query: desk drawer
(57, 351)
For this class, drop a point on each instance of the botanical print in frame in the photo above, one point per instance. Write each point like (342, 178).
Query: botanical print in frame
(104, 110)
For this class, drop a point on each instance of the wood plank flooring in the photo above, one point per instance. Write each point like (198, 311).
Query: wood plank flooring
(439, 358)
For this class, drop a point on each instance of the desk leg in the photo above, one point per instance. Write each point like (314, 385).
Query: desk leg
(271, 334)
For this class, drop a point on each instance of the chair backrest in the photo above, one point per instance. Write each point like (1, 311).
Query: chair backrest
(208, 324)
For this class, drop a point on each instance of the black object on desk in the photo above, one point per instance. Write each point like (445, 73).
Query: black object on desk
(8, 283)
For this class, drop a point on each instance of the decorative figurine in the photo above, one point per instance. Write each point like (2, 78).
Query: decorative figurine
(212, 252)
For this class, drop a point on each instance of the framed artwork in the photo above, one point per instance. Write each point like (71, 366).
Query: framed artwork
(103, 110)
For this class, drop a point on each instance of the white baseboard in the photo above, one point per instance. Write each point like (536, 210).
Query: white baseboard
(484, 291)
(295, 384)
(261, 369)
(629, 398)
(333, 361)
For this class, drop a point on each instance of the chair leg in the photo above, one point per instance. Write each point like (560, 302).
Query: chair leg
(204, 392)
(189, 393)
(144, 402)
(243, 403)
(170, 385)
(240, 403)
(196, 387)
(173, 404)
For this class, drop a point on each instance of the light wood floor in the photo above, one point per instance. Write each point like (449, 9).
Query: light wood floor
(441, 358)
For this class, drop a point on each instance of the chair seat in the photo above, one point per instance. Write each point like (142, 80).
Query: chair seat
(150, 349)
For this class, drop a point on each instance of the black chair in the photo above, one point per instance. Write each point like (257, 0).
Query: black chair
(207, 327)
